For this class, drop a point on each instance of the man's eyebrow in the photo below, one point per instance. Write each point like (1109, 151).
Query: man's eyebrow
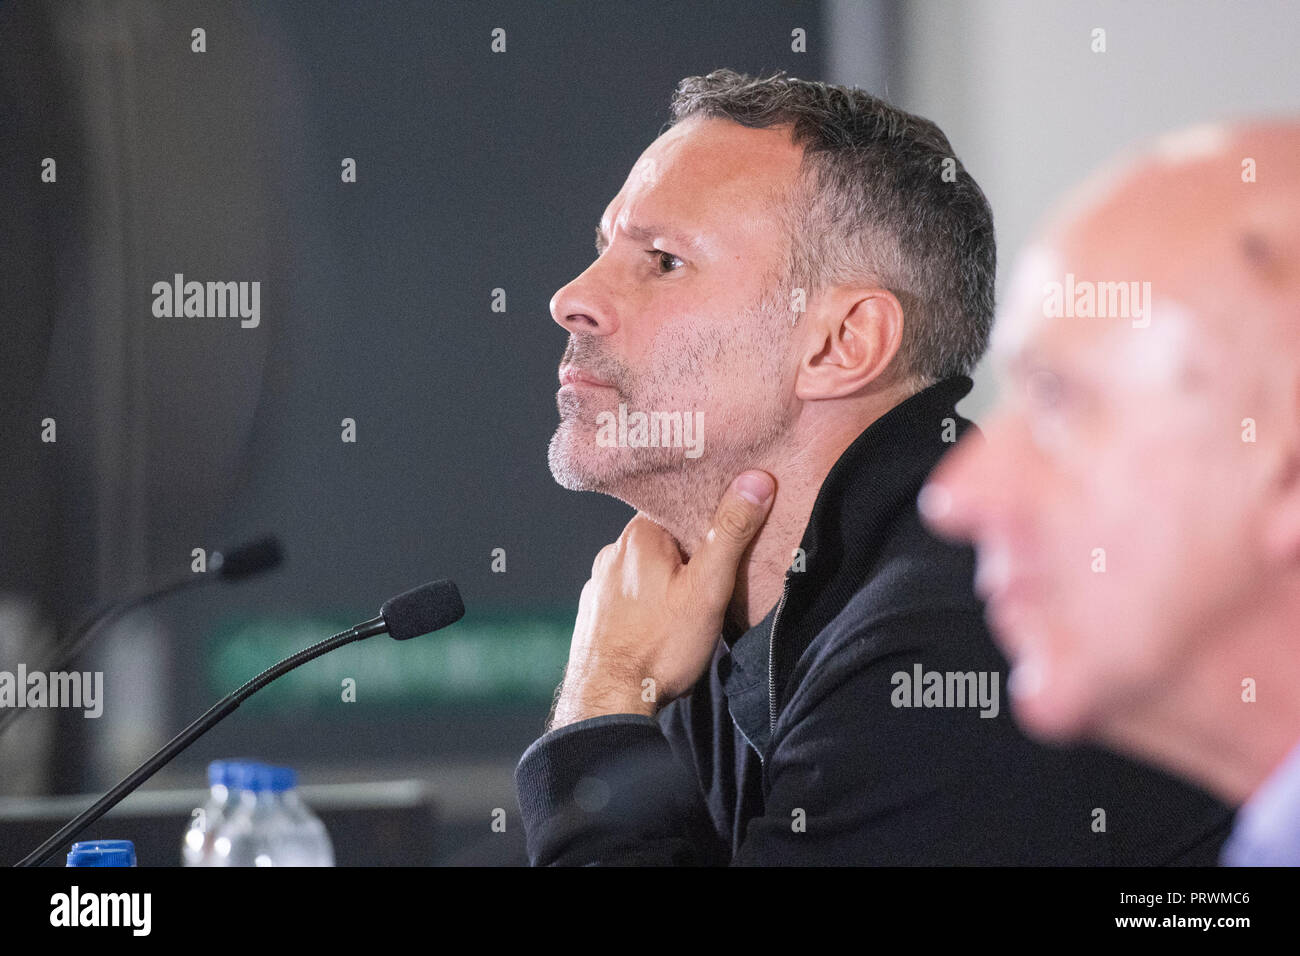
(648, 234)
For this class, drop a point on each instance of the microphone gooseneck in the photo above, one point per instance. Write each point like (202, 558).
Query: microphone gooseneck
(433, 606)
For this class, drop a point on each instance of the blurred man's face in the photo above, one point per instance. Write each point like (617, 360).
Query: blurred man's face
(680, 314)
(1111, 504)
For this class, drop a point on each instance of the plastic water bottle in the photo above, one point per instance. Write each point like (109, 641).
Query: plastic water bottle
(197, 847)
(308, 842)
(267, 824)
(252, 824)
(102, 853)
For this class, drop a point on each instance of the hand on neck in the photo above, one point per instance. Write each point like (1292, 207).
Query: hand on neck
(799, 467)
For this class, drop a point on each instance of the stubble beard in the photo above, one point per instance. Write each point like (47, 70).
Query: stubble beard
(680, 493)
(677, 492)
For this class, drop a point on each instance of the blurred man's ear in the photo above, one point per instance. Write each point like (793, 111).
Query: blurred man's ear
(849, 343)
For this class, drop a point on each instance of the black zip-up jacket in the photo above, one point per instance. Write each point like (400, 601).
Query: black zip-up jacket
(832, 755)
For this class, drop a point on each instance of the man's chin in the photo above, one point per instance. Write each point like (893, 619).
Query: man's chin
(622, 473)
(573, 479)
(572, 470)
(1049, 704)
(1047, 723)
(579, 475)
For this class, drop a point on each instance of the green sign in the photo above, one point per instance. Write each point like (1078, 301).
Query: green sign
(492, 659)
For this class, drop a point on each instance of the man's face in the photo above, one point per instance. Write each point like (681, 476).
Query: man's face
(1111, 503)
(680, 313)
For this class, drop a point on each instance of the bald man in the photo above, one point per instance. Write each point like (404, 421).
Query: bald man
(1136, 503)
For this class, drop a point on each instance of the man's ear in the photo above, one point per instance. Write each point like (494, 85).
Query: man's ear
(852, 339)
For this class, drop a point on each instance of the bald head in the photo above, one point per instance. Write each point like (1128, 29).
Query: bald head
(1209, 215)
(1137, 501)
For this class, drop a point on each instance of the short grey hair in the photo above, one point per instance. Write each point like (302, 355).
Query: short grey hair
(881, 198)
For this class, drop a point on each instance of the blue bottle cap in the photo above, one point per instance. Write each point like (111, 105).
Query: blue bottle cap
(283, 778)
(226, 773)
(102, 853)
(217, 771)
(255, 777)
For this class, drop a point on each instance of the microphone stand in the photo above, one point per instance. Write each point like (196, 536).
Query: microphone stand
(193, 732)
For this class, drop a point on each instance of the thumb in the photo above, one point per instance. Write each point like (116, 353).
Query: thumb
(743, 510)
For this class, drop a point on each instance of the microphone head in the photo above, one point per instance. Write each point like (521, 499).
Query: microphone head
(421, 610)
(251, 558)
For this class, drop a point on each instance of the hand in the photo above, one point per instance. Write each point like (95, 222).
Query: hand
(647, 621)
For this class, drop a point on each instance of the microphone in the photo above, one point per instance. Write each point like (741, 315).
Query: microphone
(418, 611)
(248, 559)
(411, 614)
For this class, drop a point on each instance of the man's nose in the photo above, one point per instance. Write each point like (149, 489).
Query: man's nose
(975, 485)
(584, 306)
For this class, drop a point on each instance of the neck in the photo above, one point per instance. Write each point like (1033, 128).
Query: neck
(1202, 725)
(761, 575)
(800, 463)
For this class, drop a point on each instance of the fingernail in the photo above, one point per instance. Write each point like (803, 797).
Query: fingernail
(754, 486)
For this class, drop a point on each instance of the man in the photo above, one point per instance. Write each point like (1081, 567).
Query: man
(802, 275)
(1136, 506)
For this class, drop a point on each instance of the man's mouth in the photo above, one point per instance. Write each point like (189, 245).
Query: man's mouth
(1007, 613)
(573, 377)
(1010, 595)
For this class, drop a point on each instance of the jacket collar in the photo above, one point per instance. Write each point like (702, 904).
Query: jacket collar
(873, 483)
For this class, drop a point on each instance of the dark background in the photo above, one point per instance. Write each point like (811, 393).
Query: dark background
(476, 171)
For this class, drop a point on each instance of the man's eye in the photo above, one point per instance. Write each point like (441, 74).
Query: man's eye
(1054, 411)
(661, 257)
(1044, 390)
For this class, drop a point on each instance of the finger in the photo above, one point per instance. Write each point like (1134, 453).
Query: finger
(643, 526)
(649, 549)
(743, 509)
